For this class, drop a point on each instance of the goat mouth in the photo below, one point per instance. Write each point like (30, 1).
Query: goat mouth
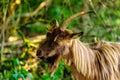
(52, 59)
(49, 60)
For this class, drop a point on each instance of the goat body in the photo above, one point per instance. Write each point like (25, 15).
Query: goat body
(97, 63)
(101, 63)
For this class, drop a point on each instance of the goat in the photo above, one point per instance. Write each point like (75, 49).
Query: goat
(100, 62)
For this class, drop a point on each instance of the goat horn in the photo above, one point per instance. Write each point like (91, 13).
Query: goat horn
(67, 21)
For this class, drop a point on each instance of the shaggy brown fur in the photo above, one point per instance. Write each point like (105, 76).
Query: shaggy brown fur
(100, 63)
(87, 63)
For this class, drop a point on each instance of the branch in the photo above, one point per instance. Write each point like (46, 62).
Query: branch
(41, 5)
(36, 39)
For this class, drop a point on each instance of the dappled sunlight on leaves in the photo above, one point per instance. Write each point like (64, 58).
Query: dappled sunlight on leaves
(12, 39)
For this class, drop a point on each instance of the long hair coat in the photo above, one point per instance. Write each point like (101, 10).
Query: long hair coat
(98, 63)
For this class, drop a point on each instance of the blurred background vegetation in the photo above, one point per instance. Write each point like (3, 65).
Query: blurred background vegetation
(23, 24)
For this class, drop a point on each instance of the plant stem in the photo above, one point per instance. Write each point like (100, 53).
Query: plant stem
(5, 9)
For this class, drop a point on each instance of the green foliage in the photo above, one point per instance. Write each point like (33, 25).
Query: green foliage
(16, 72)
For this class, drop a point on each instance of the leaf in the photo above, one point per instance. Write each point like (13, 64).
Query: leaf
(16, 62)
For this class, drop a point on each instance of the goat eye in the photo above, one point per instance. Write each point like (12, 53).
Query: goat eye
(64, 47)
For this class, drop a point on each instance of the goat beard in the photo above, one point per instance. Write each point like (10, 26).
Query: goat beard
(53, 63)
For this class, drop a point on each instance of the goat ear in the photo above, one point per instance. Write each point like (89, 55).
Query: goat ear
(54, 23)
(76, 35)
